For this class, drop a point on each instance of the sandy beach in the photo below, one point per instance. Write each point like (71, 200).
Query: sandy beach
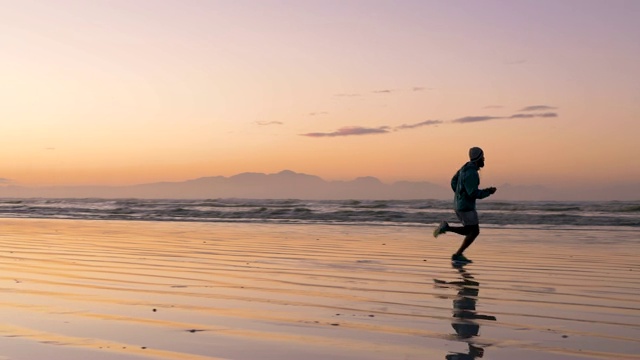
(169, 290)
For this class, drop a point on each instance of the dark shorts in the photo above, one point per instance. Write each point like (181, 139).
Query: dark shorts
(468, 217)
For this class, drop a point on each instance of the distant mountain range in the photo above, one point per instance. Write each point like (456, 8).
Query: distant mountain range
(291, 185)
(283, 185)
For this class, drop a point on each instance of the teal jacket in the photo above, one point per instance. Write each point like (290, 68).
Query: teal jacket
(465, 184)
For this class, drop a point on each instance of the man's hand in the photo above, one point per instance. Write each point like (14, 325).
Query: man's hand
(492, 190)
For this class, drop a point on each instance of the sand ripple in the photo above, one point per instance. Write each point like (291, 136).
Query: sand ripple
(136, 290)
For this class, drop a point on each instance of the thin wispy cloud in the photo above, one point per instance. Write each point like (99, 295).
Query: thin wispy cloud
(538, 108)
(529, 116)
(267, 123)
(319, 113)
(417, 125)
(361, 130)
(413, 89)
(493, 107)
(350, 131)
(383, 91)
(472, 119)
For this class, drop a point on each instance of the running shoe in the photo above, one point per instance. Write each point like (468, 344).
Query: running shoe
(460, 259)
(441, 229)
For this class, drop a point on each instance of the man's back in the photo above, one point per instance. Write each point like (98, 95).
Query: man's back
(465, 185)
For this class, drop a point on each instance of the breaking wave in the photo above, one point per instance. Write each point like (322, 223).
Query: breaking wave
(405, 212)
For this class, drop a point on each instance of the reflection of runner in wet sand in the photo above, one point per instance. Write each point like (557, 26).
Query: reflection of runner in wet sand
(464, 314)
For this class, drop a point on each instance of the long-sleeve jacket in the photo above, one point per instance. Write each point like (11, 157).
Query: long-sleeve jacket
(465, 184)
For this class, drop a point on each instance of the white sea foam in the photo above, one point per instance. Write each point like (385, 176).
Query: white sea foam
(388, 212)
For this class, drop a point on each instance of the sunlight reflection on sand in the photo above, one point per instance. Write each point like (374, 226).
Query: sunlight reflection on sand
(135, 290)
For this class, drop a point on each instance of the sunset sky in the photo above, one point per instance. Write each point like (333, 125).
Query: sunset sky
(132, 91)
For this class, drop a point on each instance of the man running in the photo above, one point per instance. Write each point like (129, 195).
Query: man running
(465, 185)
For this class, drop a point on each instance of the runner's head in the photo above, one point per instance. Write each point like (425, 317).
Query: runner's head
(476, 155)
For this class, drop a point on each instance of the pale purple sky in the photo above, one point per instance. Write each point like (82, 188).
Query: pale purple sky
(119, 92)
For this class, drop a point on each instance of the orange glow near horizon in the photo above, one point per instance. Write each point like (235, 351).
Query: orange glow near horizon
(120, 93)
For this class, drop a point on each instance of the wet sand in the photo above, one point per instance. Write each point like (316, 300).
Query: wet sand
(145, 290)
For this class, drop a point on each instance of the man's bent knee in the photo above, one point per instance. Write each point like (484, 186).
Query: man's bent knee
(473, 230)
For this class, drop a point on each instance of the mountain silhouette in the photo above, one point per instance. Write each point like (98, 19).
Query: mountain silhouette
(292, 185)
(283, 185)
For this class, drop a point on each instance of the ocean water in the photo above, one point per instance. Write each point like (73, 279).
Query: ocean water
(389, 212)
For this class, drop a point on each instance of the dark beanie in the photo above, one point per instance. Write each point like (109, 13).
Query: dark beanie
(475, 153)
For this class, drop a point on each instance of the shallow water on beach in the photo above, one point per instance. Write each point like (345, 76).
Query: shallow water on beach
(165, 290)
(521, 214)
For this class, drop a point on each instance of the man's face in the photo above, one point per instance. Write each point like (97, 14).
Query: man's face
(481, 162)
